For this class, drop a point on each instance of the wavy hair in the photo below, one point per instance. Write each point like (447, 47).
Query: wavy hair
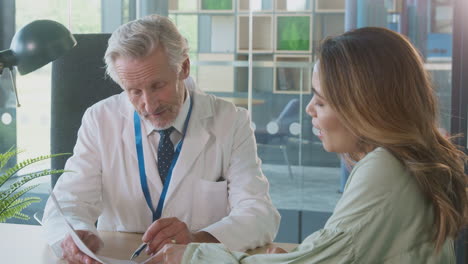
(376, 82)
(138, 38)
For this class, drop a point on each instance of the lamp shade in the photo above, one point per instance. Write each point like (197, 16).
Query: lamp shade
(39, 43)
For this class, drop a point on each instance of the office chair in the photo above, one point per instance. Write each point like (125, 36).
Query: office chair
(276, 132)
(78, 81)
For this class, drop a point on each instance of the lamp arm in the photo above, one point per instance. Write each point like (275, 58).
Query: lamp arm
(8, 60)
(14, 88)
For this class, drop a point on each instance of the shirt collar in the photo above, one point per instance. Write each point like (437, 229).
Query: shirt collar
(178, 122)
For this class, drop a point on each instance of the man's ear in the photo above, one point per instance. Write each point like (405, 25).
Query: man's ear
(185, 71)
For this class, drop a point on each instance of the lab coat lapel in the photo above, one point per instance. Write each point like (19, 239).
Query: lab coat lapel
(128, 132)
(195, 141)
(128, 140)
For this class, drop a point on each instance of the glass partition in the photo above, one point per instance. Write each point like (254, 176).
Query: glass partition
(259, 55)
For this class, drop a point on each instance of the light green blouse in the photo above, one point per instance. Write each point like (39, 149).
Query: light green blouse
(382, 217)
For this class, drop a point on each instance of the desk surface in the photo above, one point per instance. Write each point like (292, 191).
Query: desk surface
(26, 244)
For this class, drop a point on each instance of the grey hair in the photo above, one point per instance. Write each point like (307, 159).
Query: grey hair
(137, 39)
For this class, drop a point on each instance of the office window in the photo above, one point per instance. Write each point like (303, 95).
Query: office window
(33, 117)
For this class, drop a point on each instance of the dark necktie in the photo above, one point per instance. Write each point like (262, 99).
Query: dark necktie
(165, 152)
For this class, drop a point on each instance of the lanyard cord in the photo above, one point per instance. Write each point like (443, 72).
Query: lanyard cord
(141, 163)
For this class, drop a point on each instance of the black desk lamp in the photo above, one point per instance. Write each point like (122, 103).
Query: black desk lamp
(35, 45)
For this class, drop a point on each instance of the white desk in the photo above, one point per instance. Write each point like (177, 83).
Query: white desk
(26, 244)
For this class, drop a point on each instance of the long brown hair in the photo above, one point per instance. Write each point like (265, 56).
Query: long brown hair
(376, 82)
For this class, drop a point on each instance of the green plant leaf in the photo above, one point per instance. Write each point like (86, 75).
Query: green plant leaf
(17, 206)
(7, 201)
(12, 201)
(25, 179)
(5, 157)
(21, 216)
(12, 171)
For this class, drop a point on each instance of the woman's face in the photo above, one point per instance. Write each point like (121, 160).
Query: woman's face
(327, 126)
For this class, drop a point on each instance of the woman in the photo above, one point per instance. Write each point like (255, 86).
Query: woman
(406, 198)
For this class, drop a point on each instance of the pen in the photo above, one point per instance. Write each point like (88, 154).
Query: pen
(138, 251)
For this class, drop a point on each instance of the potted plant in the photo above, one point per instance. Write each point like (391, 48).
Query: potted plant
(12, 201)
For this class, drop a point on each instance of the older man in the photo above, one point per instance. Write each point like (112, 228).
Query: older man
(161, 157)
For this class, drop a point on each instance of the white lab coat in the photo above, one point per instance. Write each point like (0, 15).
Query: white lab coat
(217, 184)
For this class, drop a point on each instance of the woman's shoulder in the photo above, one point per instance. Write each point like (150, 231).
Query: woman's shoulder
(381, 157)
(380, 169)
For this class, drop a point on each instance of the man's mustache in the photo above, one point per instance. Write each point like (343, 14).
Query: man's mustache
(157, 111)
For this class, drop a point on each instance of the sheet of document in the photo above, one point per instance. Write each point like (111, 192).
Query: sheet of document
(82, 246)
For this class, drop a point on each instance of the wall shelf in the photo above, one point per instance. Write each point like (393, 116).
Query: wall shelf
(223, 34)
(287, 80)
(183, 6)
(262, 77)
(258, 6)
(293, 33)
(329, 6)
(293, 6)
(282, 32)
(215, 78)
(216, 6)
(331, 24)
(262, 41)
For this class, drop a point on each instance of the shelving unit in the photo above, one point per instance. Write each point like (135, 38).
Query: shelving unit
(328, 24)
(262, 41)
(329, 19)
(394, 6)
(216, 6)
(183, 6)
(287, 79)
(329, 6)
(293, 33)
(283, 30)
(262, 77)
(293, 6)
(215, 78)
(224, 28)
(257, 6)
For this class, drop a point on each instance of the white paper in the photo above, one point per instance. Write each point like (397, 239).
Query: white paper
(82, 246)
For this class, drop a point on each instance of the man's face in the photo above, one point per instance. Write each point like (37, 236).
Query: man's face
(156, 91)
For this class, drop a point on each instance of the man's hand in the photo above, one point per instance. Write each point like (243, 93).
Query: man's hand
(172, 231)
(169, 254)
(73, 255)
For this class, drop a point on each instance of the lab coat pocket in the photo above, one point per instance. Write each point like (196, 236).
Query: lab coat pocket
(210, 203)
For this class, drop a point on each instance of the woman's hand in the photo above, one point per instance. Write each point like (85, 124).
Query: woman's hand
(169, 254)
(275, 250)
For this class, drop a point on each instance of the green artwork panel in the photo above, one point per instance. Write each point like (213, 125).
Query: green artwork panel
(216, 4)
(293, 33)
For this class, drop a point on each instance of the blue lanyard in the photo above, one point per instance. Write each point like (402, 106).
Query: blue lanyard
(141, 164)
